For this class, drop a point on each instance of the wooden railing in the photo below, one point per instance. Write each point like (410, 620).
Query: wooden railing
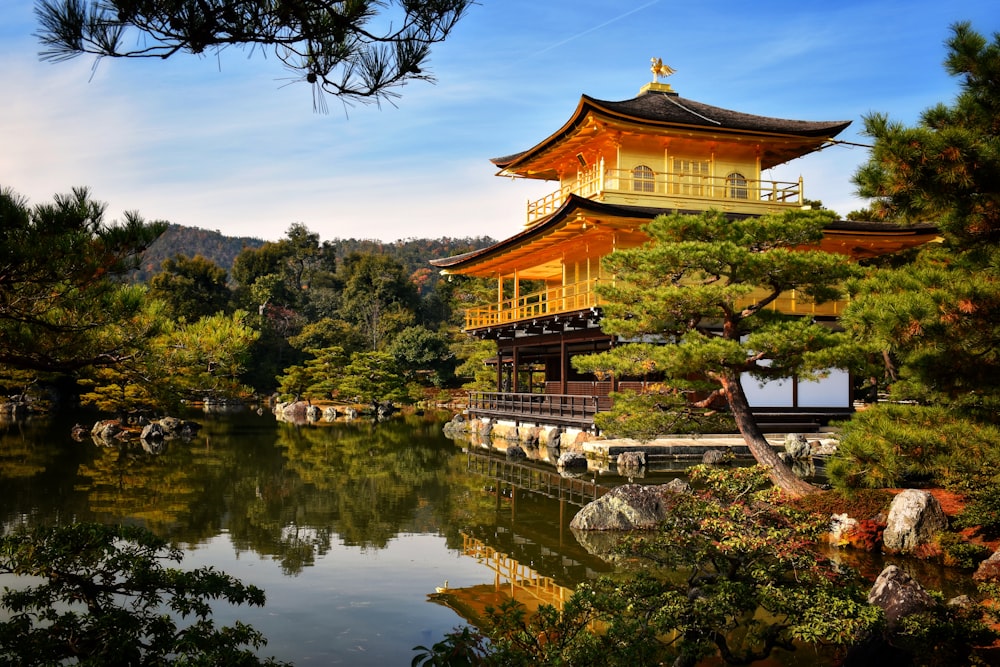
(711, 189)
(582, 295)
(552, 301)
(555, 408)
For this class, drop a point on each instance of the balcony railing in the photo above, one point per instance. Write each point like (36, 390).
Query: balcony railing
(675, 186)
(554, 408)
(581, 296)
(553, 301)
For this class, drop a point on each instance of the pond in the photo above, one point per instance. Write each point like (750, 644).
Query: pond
(369, 539)
(351, 527)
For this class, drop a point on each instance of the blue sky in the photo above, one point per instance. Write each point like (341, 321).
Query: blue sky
(226, 143)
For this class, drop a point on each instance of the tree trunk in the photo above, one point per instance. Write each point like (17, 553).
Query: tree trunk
(781, 475)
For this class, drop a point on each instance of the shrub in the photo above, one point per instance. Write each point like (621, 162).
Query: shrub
(889, 446)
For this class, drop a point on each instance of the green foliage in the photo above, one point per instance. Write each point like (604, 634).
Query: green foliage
(463, 647)
(204, 359)
(700, 292)
(647, 416)
(730, 576)
(103, 598)
(64, 305)
(473, 353)
(983, 508)
(938, 319)
(372, 377)
(378, 298)
(192, 287)
(889, 446)
(318, 378)
(356, 51)
(424, 356)
(944, 636)
(961, 553)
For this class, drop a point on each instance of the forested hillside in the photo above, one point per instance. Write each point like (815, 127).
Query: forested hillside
(191, 241)
(222, 250)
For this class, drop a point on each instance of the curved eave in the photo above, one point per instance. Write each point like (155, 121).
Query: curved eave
(565, 223)
(859, 239)
(664, 111)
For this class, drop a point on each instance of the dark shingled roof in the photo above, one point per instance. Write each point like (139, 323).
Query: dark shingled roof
(669, 109)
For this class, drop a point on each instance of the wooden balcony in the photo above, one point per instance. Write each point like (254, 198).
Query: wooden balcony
(581, 296)
(671, 190)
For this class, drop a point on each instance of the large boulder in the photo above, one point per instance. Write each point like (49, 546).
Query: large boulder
(899, 595)
(989, 569)
(627, 507)
(915, 516)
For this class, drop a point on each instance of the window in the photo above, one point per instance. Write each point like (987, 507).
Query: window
(689, 177)
(736, 186)
(642, 179)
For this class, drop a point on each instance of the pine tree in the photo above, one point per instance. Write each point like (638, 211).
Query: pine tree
(699, 297)
(936, 321)
(357, 51)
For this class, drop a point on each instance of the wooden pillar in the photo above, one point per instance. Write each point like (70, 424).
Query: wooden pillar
(563, 366)
(499, 367)
(513, 379)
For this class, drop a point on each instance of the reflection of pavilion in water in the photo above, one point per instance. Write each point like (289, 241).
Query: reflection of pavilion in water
(512, 580)
(530, 552)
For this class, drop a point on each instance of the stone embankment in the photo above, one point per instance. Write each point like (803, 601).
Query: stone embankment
(796, 449)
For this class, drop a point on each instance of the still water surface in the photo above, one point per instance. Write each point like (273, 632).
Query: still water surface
(349, 527)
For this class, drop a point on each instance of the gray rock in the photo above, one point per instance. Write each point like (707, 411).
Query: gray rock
(627, 507)
(824, 447)
(105, 431)
(631, 460)
(178, 428)
(678, 485)
(152, 433)
(797, 446)
(715, 457)
(572, 461)
(914, 518)
(899, 595)
(841, 526)
(989, 569)
(515, 453)
(313, 413)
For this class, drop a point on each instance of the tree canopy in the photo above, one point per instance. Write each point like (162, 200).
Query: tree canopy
(357, 50)
(705, 285)
(63, 304)
(936, 320)
(102, 597)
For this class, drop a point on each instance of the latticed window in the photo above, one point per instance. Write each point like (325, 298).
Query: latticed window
(690, 176)
(642, 179)
(736, 186)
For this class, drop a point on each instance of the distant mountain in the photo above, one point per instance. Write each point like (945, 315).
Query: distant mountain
(191, 241)
(412, 253)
